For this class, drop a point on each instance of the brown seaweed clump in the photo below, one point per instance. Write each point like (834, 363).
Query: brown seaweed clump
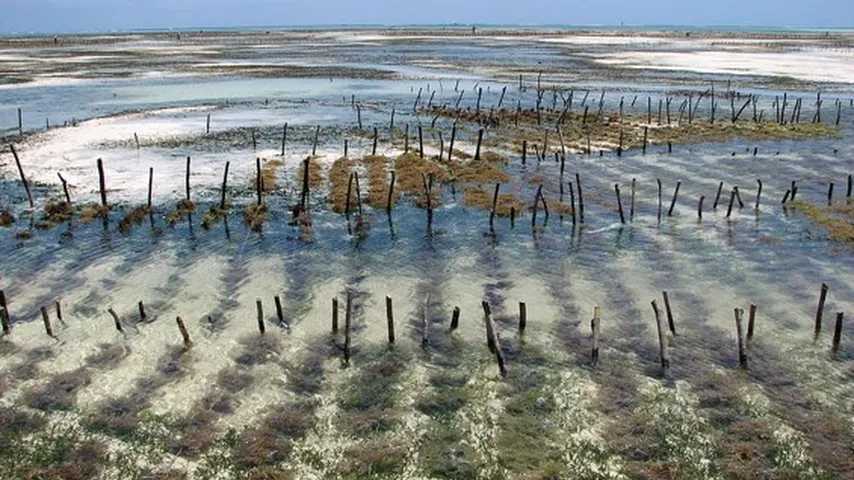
(6, 218)
(480, 198)
(838, 219)
(91, 211)
(134, 218)
(269, 174)
(213, 216)
(411, 171)
(479, 171)
(255, 216)
(339, 184)
(55, 212)
(378, 181)
(185, 207)
(315, 173)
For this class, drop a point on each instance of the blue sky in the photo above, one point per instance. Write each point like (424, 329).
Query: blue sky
(104, 15)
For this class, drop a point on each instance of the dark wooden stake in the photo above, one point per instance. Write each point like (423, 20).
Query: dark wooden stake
(718, 196)
(492, 339)
(258, 186)
(455, 319)
(662, 344)
(673, 201)
(224, 187)
(523, 317)
(758, 194)
(187, 180)
(116, 320)
(751, 320)
(184, 334)
(632, 202)
(262, 328)
(284, 137)
(47, 328)
(670, 322)
(102, 183)
(335, 315)
(619, 203)
(389, 313)
(21, 173)
(742, 355)
(142, 315)
(390, 194)
(64, 188)
(280, 314)
(494, 205)
(700, 208)
(837, 334)
(347, 319)
(580, 199)
(819, 313)
(594, 326)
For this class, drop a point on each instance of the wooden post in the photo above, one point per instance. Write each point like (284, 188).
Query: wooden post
(334, 315)
(837, 334)
(536, 205)
(830, 195)
(391, 121)
(420, 142)
(4, 321)
(59, 312)
(208, 124)
(667, 310)
(758, 194)
(751, 319)
(390, 194)
(662, 344)
(258, 187)
(645, 136)
(184, 334)
(700, 207)
(314, 145)
(524, 151)
(64, 188)
(494, 205)
(580, 199)
(46, 320)
(347, 320)
(819, 313)
(142, 315)
(492, 339)
(479, 141)
(376, 139)
(224, 187)
(453, 136)
(619, 203)
(150, 185)
(572, 201)
(136, 140)
(21, 173)
(620, 145)
(850, 188)
(594, 325)
(4, 307)
(187, 181)
(260, 309)
(658, 181)
(116, 320)
(731, 200)
(347, 199)
(280, 314)
(102, 183)
(718, 196)
(742, 356)
(304, 197)
(673, 202)
(523, 317)
(425, 323)
(406, 139)
(20, 122)
(632, 202)
(284, 137)
(389, 313)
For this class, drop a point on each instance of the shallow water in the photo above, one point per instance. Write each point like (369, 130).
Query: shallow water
(211, 278)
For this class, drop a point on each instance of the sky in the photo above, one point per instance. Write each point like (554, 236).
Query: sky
(49, 16)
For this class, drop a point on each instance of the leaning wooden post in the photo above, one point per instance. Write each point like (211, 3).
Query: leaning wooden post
(819, 313)
(141, 307)
(280, 314)
(673, 201)
(731, 200)
(751, 319)
(455, 319)
(492, 339)
(700, 208)
(5, 306)
(224, 187)
(523, 317)
(718, 196)
(347, 320)
(260, 308)
(580, 198)
(830, 195)
(64, 188)
(334, 315)
(619, 203)
(46, 320)
(21, 173)
(376, 138)
(479, 141)
(314, 145)
(594, 325)
(389, 313)
(837, 334)
(669, 312)
(184, 334)
(116, 320)
(453, 137)
(742, 356)
(662, 344)
(494, 206)
(102, 183)
(758, 193)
